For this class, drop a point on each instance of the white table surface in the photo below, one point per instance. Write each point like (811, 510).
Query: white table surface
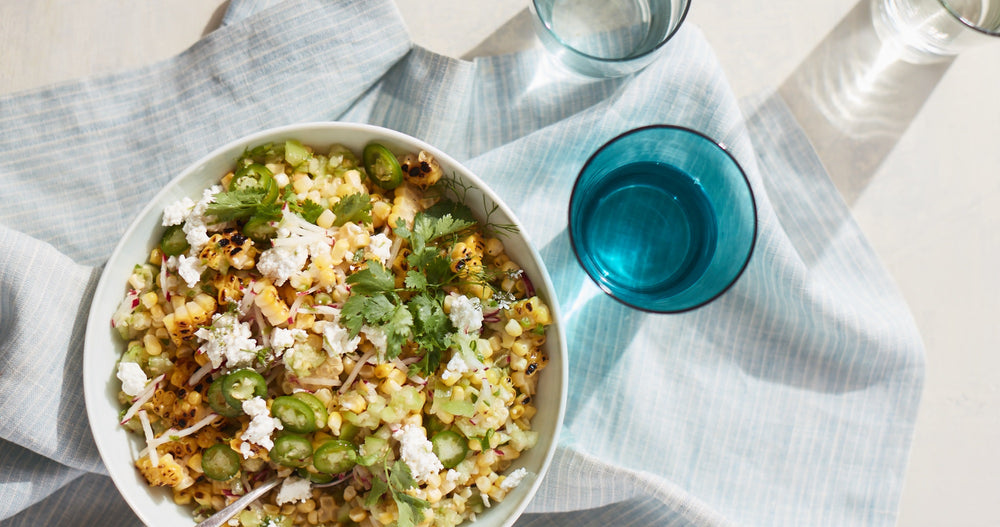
(931, 210)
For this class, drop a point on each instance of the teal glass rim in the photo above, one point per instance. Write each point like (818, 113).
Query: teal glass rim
(753, 203)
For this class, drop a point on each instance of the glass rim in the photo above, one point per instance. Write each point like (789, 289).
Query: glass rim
(616, 60)
(966, 22)
(753, 203)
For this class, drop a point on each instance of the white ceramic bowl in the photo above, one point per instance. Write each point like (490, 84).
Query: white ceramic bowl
(103, 347)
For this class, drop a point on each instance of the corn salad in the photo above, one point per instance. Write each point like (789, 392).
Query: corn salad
(326, 316)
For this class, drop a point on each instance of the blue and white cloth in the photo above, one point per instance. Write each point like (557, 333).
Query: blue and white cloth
(790, 401)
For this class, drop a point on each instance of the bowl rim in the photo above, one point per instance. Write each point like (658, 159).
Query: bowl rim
(746, 181)
(95, 379)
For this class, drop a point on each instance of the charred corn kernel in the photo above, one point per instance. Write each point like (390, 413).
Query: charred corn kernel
(434, 495)
(483, 483)
(354, 402)
(188, 317)
(518, 363)
(404, 205)
(194, 462)
(449, 380)
(270, 509)
(150, 299)
(380, 213)
(357, 514)
(312, 517)
(333, 421)
(182, 498)
(326, 219)
(141, 320)
(306, 506)
(301, 183)
(350, 493)
(339, 251)
(288, 509)
(156, 315)
(152, 344)
(193, 398)
(201, 358)
(420, 169)
(513, 328)
(520, 347)
(383, 370)
(517, 411)
(272, 306)
(389, 386)
(494, 247)
(386, 517)
(398, 375)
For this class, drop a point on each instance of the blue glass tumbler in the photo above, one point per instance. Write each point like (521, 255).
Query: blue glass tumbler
(663, 219)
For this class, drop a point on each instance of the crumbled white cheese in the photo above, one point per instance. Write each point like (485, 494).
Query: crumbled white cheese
(133, 378)
(293, 490)
(177, 212)
(190, 269)
(377, 337)
(455, 368)
(381, 247)
(229, 340)
(452, 476)
(466, 314)
(337, 340)
(513, 479)
(285, 338)
(417, 452)
(261, 426)
(281, 263)
(196, 224)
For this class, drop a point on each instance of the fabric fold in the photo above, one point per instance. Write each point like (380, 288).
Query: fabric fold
(789, 401)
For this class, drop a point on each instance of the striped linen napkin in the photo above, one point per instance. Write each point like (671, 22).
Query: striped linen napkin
(791, 400)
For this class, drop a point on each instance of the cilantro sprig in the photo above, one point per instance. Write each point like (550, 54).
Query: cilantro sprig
(396, 480)
(414, 312)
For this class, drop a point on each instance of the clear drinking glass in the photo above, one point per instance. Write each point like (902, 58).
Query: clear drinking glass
(924, 31)
(606, 38)
(663, 219)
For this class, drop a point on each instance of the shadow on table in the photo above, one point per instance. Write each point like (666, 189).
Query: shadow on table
(854, 97)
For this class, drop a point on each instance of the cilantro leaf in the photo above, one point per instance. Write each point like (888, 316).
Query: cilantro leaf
(236, 204)
(415, 280)
(308, 209)
(373, 279)
(379, 487)
(409, 508)
(397, 330)
(354, 207)
(400, 477)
